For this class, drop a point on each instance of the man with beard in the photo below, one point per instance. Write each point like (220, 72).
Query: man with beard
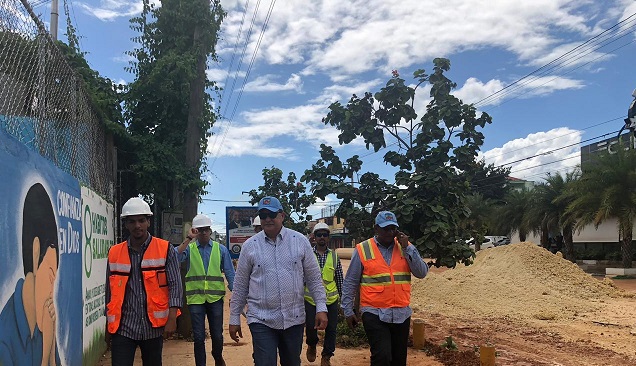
(331, 269)
(143, 290)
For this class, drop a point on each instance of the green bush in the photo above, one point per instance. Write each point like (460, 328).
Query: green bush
(347, 338)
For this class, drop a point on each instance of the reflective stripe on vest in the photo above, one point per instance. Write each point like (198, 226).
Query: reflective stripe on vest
(383, 285)
(328, 280)
(154, 278)
(204, 287)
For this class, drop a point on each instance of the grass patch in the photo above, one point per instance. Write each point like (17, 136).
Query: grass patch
(624, 277)
(348, 338)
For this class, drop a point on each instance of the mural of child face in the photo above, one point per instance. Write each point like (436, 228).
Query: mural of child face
(44, 297)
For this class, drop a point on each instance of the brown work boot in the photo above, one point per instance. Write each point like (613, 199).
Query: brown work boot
(311, 353)
(325, 361)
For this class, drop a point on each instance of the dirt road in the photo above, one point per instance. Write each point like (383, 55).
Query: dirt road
(605, 338)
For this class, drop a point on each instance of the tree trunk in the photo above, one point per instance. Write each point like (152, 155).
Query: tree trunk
(522, 235)
(545, 239)
(193, 131)
(626, 244)
(568, 243)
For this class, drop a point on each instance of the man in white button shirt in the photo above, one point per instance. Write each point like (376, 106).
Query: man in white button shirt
(273, 268)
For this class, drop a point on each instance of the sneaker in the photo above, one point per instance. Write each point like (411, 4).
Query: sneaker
(325, 361)
(311, 353)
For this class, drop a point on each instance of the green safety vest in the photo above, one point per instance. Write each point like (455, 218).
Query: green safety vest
(328, 279)
(201, 287)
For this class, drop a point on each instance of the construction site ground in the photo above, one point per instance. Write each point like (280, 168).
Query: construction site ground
(534, 307)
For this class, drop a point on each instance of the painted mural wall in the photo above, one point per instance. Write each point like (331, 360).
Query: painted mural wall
(51, 287)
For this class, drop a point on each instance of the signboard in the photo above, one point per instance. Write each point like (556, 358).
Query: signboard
(239, 227)
(608, 145)
(98, 236)
(41, 260)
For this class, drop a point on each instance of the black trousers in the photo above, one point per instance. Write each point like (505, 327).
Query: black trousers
(123, 351)
(388, 341)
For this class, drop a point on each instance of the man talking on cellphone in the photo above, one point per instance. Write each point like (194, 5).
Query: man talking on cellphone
(381, 269)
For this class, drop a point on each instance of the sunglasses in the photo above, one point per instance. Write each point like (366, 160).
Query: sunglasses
(321, 235)
(266, 214)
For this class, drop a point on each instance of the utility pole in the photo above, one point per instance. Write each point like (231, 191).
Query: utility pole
(54, 18)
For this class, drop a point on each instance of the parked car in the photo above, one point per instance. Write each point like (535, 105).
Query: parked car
(489, 242)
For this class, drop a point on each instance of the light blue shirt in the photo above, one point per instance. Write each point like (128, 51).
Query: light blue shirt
(270, 279)
(206, 250)
(354, 274)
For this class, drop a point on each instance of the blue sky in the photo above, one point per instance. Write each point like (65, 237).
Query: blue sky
(316, 52)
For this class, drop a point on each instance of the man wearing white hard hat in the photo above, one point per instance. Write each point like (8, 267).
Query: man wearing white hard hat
(257, 225)
(143, 290)
(332, 277)
(205, 288)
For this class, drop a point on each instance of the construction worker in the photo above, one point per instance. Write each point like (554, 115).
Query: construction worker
(332, 277)
(257, 225)
(272, 270)
(143, 290)
(205, 288)
(380, 269)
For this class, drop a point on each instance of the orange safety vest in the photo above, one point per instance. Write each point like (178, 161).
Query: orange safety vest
(153, 269)
(383, 286)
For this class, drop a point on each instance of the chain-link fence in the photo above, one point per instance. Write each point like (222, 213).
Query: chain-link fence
(44, 105)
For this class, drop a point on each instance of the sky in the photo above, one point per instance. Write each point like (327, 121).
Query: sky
(553, 74)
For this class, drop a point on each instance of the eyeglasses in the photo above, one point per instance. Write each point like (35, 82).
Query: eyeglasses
(321, 235)
(265, 214)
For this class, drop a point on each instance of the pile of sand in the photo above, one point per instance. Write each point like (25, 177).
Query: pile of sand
(517, 281)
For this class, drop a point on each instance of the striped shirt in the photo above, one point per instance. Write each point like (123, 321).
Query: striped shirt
(322, 259)
(270, 279)
(134, 316)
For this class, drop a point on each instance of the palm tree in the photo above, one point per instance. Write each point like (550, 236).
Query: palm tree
(552, 200)
(607, 189)
(513, 214)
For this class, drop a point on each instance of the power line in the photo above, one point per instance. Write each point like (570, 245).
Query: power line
(555, 63)
(559, 136)
(247, 75)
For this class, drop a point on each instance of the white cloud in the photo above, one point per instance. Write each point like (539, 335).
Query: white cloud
(349, 37)
(535, 155)
(109, 10)
(265, 83)
(258, 131)
(123, 58)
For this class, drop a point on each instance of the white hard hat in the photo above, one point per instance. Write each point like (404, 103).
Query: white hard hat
(201, 220)
(321, 226)
(135, 206)
(257, 221)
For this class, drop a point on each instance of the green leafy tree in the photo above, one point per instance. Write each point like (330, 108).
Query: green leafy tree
(431, 155)
(479, 219)
(490, 181)
(291, 193)
(168, 112)
(607, 189)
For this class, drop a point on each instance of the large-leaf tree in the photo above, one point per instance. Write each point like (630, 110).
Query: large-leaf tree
(430, 152)
(291, 193)
(168, 108)
(607, 189)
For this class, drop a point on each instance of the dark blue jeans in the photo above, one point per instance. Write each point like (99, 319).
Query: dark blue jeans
(214, 312)
(329, 343)
(266, 340)
(123, 351)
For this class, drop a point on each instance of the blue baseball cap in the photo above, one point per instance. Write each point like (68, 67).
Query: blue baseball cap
(386, 218)
(270, 203)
